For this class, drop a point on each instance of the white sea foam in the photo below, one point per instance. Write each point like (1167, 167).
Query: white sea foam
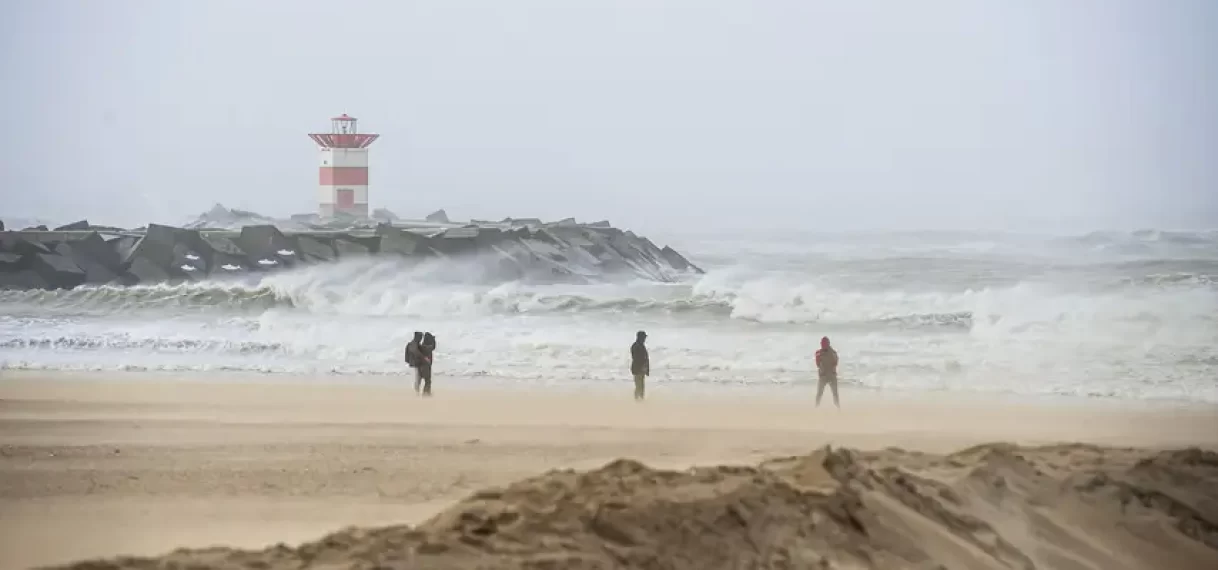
(982, 314)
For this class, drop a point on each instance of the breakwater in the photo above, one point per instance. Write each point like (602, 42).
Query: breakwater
(82, 254)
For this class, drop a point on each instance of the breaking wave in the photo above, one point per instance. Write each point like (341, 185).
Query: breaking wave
(1186, 238)
(503, 300)
(1150, 242)
(100, 300)
(1122, 326)
(122, 341)
(377, 289)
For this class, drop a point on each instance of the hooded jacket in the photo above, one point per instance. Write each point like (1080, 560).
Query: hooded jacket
(427, 349)
(826, 359)
(413, 353)
(640, 363)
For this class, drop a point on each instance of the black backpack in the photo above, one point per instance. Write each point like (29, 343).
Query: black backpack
(410, 357)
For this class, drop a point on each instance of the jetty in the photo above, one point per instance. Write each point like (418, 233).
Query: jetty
(225, 244)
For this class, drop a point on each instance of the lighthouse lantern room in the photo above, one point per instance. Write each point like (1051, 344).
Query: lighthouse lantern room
(343, 172)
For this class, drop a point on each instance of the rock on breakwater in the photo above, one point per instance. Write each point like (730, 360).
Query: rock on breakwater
(230, 243)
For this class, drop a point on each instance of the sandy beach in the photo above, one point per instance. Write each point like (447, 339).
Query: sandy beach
(100, 465)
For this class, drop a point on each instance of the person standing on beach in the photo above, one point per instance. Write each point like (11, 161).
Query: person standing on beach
(414, 355)
(640, 364)
(427, 350)
(826, 369)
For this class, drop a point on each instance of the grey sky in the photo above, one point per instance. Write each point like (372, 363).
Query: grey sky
(1044, 114)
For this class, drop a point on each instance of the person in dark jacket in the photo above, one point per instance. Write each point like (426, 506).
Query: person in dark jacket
(413, 355)
(640, 364)
(427, 350)
(412, 349)
(826, 370)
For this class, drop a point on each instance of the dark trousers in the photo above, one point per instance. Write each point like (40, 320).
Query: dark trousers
(422, 376)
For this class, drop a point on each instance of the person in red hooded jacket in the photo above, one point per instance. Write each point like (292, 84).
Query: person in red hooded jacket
(826, 369)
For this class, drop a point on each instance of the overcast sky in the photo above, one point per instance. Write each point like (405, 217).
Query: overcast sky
(751, 113)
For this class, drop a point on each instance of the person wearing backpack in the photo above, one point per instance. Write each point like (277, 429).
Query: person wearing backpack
(414, 355)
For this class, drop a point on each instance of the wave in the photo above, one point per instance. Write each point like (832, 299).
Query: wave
(129, 342)
(1150, 243)
(199, 298)
(1150, 235)
(372, 288)
(206, 296)
(1068, 325)
(746, 299)
(1145, 340)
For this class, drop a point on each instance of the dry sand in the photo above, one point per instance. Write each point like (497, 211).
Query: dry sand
(106, 465)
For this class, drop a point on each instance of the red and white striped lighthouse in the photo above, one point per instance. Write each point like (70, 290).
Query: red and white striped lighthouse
(344, 168)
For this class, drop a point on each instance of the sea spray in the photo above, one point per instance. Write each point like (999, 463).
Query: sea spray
(1052, 317)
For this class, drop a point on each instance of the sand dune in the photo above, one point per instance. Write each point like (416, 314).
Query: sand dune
(993, 506)
(94, 467)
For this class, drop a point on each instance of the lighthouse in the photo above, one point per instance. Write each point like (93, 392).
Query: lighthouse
(343, 172)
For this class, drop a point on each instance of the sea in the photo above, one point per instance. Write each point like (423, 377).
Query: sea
(1113, 315)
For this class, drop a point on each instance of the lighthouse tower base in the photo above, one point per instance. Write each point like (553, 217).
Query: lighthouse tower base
(330, 211)
(343, 182)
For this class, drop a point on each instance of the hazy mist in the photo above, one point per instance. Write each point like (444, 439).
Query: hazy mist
(1047, 115)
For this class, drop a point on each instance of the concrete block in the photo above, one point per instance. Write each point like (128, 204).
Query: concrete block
(373, 243)
(544, 235)
(22, 280)
(348, 246)
(221, 243)
(313, 248)
(74, 226)
(266, 242)
(94, 250)
(596, 250)
(145, 271)
(95, 272)
(21, 244)
(167, 249)
(465, 244)
(676, 260)
(488, 237)
(156, 245)
(224, 251)
(58, 271)
(191, 262)
(225, 264)
(10, 262)
(124, 247)
(394, 241)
